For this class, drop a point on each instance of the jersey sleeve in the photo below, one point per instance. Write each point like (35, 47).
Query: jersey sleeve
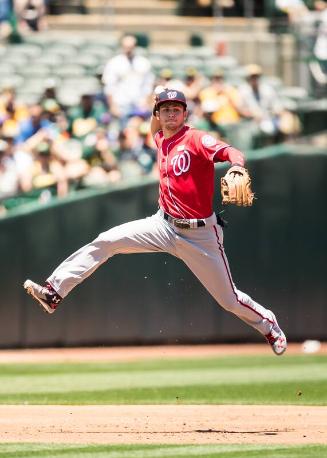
(217, 151)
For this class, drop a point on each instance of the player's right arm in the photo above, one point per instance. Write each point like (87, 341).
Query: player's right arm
(155, 123)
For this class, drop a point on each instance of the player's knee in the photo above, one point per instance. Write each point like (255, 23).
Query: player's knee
(232, 306)
(229, 303)
(113, 241)
(107, 242)
(108, 237)
(234, 301)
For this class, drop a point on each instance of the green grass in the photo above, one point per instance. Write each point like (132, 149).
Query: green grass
(299, 380)
(160, 451)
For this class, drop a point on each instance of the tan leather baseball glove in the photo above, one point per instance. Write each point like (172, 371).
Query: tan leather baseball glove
(236, 187)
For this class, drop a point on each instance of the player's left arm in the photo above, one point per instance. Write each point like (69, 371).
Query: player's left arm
(236, 184)
(217, 151)
(230, 154)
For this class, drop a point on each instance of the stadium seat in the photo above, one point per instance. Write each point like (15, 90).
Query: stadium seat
(51, 60)
(7, 68)
(223, 62)
(18, 60)
(67, 97)
(84, 59)
(24, 49)
(80, 85)
(101, 52)
(28, 98)
(273, 81)
(14, 80)
(158, 61)
(35, 70)
(201, 51)
(38, 83)
(70, 70)
(293, 92)
(63, 50)
(180, 66)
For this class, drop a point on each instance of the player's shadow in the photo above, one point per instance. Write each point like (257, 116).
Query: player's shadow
(265, 433)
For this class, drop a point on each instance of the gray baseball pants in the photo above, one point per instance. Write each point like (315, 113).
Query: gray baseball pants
(200, 248)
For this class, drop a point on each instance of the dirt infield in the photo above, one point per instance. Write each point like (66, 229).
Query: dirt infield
(116, 354)
(164, 424)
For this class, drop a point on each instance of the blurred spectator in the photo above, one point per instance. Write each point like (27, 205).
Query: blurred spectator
(34, 122)
(202, 118)
(11, 113)
(144, 148)
(85, 117)
(193, 83)
(50, 92)
(259, 99)
(103, 163)
(50, 110)
(48, 171)
(100, 95)
(9, 182)
(135, 151)
(5, 17)
(295, 9)
(124, 152)
(128, 80)
(224, 100)
(166, 75)
(15, 168)
(261, 104)
(168, 79)
(320, 46)
(31, 15)
(5, 10)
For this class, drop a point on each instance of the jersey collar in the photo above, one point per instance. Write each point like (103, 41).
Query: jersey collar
(178, 134)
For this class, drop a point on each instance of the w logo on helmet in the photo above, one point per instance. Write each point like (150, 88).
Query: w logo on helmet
(172, 94)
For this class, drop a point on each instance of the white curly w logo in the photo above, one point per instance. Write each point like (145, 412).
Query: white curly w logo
(181, 163)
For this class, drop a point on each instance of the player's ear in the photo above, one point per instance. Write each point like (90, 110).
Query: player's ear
(156, 114)
(185, 115)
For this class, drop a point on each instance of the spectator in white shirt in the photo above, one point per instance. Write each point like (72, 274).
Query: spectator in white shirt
(259, 100)
(128, 81)
(267, 118)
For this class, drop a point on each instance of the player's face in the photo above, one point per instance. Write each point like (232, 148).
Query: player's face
(172, 116)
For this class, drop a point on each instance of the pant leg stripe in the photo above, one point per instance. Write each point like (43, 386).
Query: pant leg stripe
(230, 277)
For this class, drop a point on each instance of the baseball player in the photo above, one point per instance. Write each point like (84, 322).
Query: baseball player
(184, 225)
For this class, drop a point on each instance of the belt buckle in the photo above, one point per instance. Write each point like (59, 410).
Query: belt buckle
(182, 223)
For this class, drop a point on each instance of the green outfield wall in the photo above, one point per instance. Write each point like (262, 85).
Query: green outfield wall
(276, 249)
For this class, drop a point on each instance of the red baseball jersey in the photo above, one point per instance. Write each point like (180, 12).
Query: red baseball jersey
(186, 164)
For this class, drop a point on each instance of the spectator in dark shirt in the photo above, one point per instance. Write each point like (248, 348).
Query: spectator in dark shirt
(86, 116)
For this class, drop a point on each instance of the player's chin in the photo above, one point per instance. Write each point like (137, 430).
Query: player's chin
(172, 124)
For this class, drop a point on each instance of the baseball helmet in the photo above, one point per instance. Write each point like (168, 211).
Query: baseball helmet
(170, 95)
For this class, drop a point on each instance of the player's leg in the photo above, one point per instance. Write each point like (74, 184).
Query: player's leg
(140, 236)
(203, 252)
